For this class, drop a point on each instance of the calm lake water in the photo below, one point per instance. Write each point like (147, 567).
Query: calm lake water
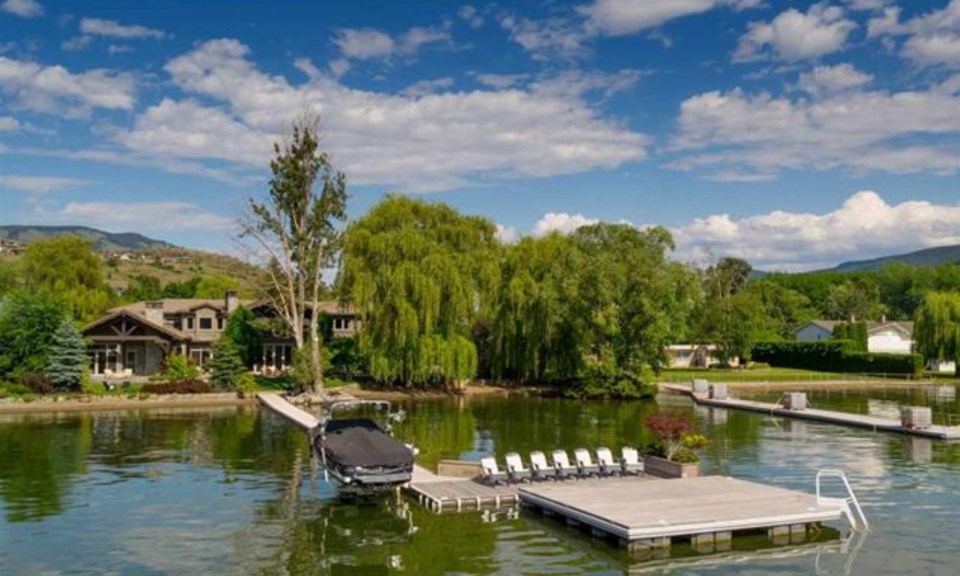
(231, 491)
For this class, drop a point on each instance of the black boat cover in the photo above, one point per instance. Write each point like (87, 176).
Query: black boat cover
(361, 442)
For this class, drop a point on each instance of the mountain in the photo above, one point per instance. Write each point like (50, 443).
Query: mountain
(102, 241)
(928, 257)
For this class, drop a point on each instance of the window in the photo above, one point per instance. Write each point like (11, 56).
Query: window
(190, 323)
(206, 323)
(220, 323)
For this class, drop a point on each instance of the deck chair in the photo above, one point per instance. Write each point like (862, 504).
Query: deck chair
(585, 465)
(608, 466)
(561, 464)
(491, 472)
(515, 470)
(631, 464)
(539, 468)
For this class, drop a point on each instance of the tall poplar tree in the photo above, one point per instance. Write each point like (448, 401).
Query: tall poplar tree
(297, 227)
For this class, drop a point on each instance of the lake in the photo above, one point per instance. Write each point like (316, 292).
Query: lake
(232, 491)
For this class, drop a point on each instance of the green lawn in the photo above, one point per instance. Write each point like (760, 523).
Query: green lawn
(757, 375)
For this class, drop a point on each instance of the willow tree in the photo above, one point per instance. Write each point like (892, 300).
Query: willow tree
(420, 276)
(297, 227)
(68, 268)
(937, 327)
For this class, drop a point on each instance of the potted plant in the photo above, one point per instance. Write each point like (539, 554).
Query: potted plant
(674, 455)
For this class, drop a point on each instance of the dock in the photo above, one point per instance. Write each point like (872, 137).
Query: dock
(452, 493)
(643, 513)
(826, 416)
(278, 404)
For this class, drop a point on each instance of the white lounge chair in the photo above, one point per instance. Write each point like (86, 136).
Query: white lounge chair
(515, 469)
(631, 464)
(539, 468)
(585, 465)
(561, 464)
(491, 472)
(608, 466)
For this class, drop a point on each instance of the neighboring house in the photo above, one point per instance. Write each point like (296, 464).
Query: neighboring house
(692, 355)
(886, 337)
(135, 340)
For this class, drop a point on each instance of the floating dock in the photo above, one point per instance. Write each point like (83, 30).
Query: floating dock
(827, 416)
(279, 405)
(652, 513)
(451, 493)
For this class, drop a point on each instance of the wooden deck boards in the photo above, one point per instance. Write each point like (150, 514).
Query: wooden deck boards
(827, 416)
(637, 509)
(442, 492)
(279, 405)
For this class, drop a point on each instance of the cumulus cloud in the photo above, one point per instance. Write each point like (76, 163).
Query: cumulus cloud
(55, 89)
(507, 234)
(561, 222)
(9, 124)
(38, 184)
(142, 216)
(795, 35)
(22, 8)
(418, 143)
(853, 129)
(620, 17)
(370, 44)
(865, 226)
(547, 39)
(469, 14)
(933, 38)
(833, 79)
(114, 29)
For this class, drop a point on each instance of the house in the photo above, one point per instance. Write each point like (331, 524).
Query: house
(692, 355)
(891, 337)
(135, 340)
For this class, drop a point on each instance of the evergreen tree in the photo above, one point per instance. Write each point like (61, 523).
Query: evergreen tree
(67, 358)
(226, 365)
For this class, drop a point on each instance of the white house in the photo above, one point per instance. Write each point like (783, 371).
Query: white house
(693, 355)
(886, 337)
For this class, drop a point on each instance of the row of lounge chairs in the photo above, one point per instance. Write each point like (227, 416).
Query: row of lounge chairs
(561, 468)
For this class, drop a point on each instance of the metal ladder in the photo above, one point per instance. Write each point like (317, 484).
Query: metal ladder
(851, 506)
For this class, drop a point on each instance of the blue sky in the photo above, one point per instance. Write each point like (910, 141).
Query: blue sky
(795, 134)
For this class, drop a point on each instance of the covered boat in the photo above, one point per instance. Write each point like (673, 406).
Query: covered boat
(360, 452)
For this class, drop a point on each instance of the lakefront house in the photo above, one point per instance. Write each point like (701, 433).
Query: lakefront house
(136, 339)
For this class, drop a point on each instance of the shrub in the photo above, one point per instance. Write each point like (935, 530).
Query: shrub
(35, 382)
(758, 366)
(245, 384)
(192, 386)
(835, 356)
(179, 367)
(8, 389)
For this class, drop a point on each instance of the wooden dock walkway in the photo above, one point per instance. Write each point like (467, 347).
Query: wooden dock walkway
(827, 416)
(645, 513)
(450, 493)
(278, 404)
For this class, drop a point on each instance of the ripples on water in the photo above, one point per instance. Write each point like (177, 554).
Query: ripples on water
(233, 492)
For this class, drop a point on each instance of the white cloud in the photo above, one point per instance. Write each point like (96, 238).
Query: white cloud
(22, 8)
(854, 129)
(371, 44)
(741, 177)
(500, 81)
(620, 17)
(562, 222)
(55, 89)
(547, 39)
(794, 35)
(431, 142)
(867, 5)
(76, 43)
(865, 226)
(470, 15)
(833, 79)
(114, 29)
(507, 234)
(933, 49)
(933, 37)
(142, 216)
(425, 87)
(38, 184)
(9, 124)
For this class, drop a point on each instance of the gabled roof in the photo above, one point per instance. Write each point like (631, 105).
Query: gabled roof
(168, 330)
(905, 327)
(180, 305)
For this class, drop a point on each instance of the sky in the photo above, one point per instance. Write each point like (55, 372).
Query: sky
(793, 134)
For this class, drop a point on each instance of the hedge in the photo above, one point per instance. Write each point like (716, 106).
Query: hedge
(835, 356)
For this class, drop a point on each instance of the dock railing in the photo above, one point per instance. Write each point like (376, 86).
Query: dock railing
(852, 509)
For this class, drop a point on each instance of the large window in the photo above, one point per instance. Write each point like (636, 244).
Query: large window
(206, 323)
(200, 357)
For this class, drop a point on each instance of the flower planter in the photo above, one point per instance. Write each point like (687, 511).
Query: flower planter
(663, 468)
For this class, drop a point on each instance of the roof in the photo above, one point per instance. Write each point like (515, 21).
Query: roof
(180, 305)
(162, 328)
(872, 327)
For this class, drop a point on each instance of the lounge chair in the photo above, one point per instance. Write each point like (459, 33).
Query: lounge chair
(585, 465)
(631, 464)
(539, 468)
(515, 470)
(491, 472)
(561, 464)
(608, 466)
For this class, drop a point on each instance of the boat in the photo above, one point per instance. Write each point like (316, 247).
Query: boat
(360, 453)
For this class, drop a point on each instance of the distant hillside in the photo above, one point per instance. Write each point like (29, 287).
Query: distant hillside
(928, 257)
(102, 241)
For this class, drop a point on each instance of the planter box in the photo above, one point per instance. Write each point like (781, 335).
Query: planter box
(459, 468)
(794, 401)
(663, 468)
(719, 392)
(700, 386)
(917, 417)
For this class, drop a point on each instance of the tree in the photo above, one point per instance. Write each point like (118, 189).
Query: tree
(242, 330)
(226, 364)
(143, 287)
(297, 227)
(937, 327)
(67, 357)
(854, 300)
(28, 322)
(216, 286)
(420, 275)
(9, 278)
(68, 268)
